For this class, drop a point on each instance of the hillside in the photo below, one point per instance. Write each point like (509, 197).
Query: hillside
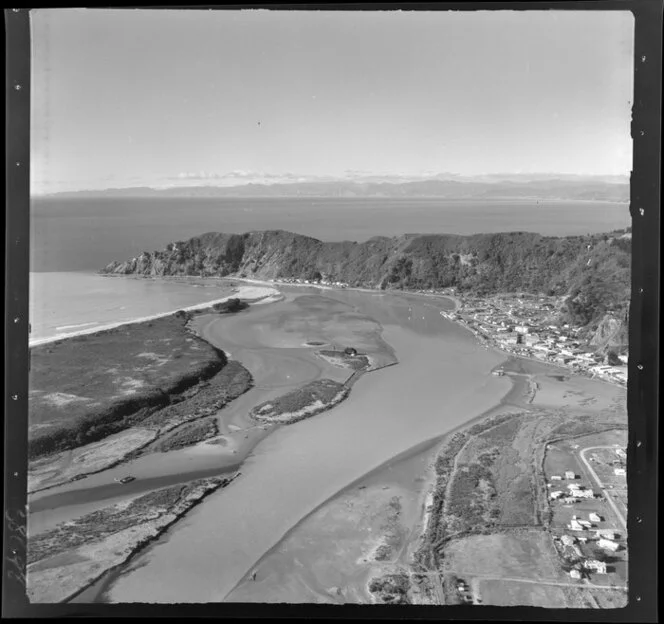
(592, 271)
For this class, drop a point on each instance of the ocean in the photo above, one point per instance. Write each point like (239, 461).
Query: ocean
(66, 302)
(86, 234)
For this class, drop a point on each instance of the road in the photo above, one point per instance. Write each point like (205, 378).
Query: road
(489, 577)
(582, 455)
(436, 584)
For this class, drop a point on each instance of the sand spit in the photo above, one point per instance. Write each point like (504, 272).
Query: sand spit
(58, 574)
(253, 294)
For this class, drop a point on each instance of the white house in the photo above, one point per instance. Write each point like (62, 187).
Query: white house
(619, 472)
(608, 545)
(621, 453)
(568, 540)
(593, 564)
(556, 478)
(570, 475)
(575, 574)
(593, 517)
(555, 495)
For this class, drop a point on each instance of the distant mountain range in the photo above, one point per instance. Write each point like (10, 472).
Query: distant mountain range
(444, 186)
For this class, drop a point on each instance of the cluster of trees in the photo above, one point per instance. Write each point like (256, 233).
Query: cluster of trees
(231, 305)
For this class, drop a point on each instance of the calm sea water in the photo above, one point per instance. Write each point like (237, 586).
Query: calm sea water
(87, 234)
(66, 302)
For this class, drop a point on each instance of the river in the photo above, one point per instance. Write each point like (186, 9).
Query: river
(442, 380)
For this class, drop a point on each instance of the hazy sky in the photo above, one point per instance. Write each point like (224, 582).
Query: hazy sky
(131, 97)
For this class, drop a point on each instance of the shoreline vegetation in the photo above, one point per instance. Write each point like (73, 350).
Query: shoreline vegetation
(489, 480)
(159, 377)
(311, 399)
(317, 396)
(64, 561)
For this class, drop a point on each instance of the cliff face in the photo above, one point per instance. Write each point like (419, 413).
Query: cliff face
(611, 334)
(593, 270)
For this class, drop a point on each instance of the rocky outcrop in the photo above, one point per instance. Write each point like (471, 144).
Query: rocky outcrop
(611, 334)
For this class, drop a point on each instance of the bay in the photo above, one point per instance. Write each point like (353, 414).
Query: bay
(75, 234)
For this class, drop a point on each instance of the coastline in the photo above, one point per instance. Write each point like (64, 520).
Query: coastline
(434, 441)
(252, 295)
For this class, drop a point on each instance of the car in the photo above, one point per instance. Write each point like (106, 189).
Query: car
(126, 479)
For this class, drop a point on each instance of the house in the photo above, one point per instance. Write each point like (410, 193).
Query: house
(573, 486)
(608, 544)
(593, 517)
(584, 493)
(593, 564)
(575, 526)
(575, 574)
(521, 329)
(556, 478)
(555, 495)
(585, 523)
(621, 453)
(619, 472)
(568, 540)
(570, 475)
(607, 534)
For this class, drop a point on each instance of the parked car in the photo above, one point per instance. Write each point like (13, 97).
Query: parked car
(126, 479)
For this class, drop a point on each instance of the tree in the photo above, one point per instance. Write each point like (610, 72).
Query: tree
(612, 358)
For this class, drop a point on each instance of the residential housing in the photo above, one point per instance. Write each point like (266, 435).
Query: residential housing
(597, 566)
(608, 545)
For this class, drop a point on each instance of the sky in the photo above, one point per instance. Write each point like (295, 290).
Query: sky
(125, 98)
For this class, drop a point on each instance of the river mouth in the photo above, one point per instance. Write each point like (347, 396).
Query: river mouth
(441, 381)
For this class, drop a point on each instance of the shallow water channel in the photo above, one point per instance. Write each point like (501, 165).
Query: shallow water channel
(441, 381)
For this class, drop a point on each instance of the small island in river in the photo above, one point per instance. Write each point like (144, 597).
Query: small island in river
(314, 398)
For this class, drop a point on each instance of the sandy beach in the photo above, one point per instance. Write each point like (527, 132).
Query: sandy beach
(251, 294)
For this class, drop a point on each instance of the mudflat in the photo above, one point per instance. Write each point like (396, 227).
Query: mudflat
(442, 380)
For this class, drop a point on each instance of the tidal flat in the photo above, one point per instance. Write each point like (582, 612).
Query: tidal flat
(442, 379)
(359, 474)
